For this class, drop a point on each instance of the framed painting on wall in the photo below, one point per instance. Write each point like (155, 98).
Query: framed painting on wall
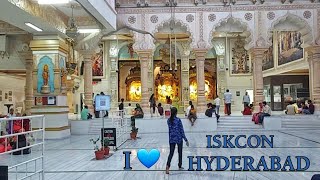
(268, 60)
(0, 92)
(10, 93)
(289, 46)
(239, 58)
(6, 96)
(10, 99)
(0, 98)
(98, 65)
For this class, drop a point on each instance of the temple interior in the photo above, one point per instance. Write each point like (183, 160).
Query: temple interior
(85, 65)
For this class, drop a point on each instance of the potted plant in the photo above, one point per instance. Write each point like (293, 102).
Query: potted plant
(98, 152)
(105, 144)
(133, 133)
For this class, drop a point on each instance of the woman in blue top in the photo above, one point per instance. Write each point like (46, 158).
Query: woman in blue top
(176, 137)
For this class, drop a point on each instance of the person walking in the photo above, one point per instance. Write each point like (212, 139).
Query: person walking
(217, 103)
(246, 100)
(227, 101)
(176, 137)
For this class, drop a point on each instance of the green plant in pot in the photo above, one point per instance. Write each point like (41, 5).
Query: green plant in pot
(133, 133)
(105, 143)
(98, 152)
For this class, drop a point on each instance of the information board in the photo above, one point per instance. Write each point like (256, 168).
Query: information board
(111, 134)
(103, 103)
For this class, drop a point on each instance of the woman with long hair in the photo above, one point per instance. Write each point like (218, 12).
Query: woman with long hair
(152, 103)
(176, 135)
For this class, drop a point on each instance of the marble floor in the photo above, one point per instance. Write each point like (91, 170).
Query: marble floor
(73, 158)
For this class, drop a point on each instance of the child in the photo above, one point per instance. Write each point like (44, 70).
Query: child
(192, 115)
(160, 109)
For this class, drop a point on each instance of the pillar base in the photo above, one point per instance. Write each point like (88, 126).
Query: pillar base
(56, 121)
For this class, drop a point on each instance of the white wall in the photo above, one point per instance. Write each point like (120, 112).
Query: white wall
(14, 84)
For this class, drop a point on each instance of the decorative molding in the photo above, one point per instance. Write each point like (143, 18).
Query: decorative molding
(189, 18)
(308, 35)
(201, 43)
(317, 40)
(154, 18)
(132, 19)
(248, 39)
(212, 17)
(218, 9)
(271, 15)
(185, 25)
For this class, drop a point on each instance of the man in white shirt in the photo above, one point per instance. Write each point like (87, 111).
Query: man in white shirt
(217, 103)
(188, 109)
(246, 100)
(227, 101)
(266, 111)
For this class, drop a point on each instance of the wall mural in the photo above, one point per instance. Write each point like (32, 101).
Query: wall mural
(127, 53)
(268, 61)
(240, 58)
(98, 65)
(289, 47)
(45, 75)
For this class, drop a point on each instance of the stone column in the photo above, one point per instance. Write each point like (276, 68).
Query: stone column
(201, 99)
(114, 82)
(144, 57)
(314, 74)
(221, 76)
(257, 55)
(29, 99)
(185, 82)
(87, 77)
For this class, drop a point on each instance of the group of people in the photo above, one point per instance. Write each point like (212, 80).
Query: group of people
(301, 108)
(12, 127)
(264, 111)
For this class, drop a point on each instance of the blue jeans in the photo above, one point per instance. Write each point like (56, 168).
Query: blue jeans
(261, 116)
(217, 109)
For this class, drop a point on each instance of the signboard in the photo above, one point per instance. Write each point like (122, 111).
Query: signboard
(4, 173)
(103, 103)
(111, 134)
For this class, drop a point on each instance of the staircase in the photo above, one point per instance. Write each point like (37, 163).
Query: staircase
(96, 125)
(237, 122)
(303, 123)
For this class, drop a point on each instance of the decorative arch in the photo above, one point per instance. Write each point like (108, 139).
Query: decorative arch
(177, 22)
(295, 23)
(245, 27)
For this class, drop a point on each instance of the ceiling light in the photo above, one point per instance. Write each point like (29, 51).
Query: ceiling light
(33, 27)
(83, 31)
(53, 1)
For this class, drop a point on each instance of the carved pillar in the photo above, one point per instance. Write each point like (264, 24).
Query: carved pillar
(114, 82)
(29, 100)
(201, 99)
(314, 74)
(185, 82)
(257, 57)
(221, 76)
(144, 57)
(87, 77)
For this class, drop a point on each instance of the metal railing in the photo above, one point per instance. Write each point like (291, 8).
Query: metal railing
(121, 123)
(19, 140)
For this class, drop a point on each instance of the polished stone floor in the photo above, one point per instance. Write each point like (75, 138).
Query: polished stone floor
(73, 158)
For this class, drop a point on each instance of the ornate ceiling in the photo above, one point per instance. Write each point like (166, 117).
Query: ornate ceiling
(157, 3)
